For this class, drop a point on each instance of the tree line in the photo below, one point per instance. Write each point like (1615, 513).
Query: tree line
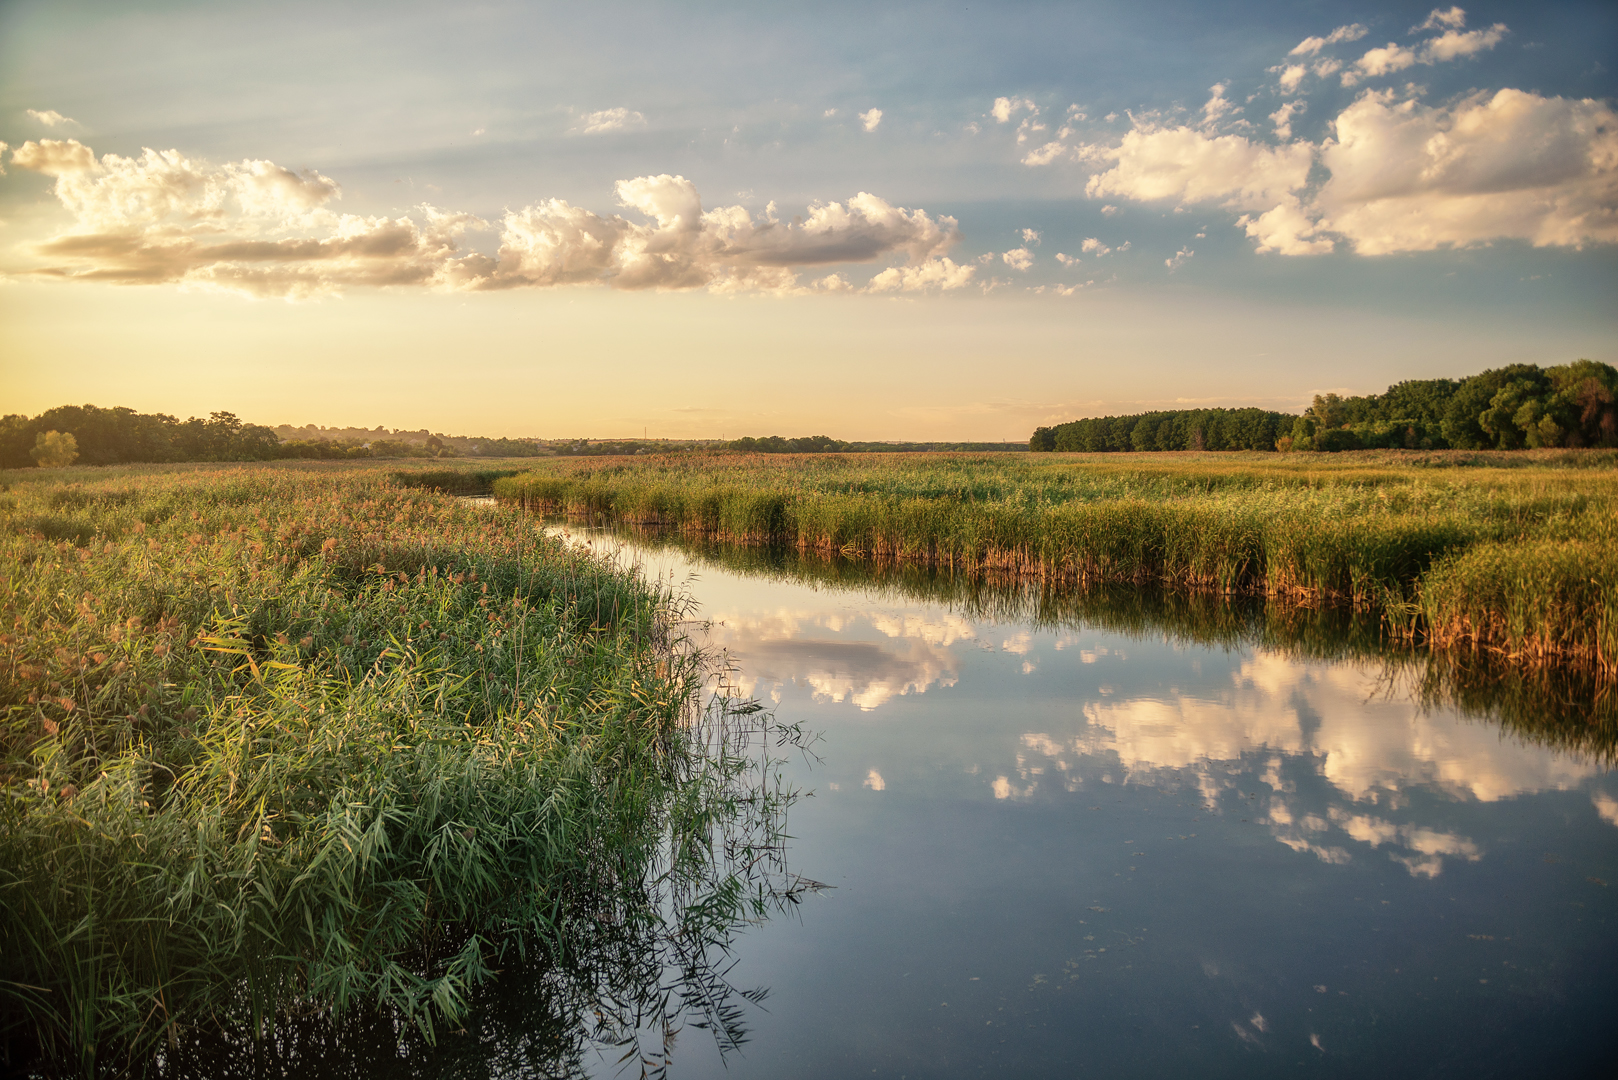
(825, 444)
(89, 435)
(1185, 429)
(1521, 406)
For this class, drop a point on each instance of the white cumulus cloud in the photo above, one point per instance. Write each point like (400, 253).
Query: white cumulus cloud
(1046, 154)
(1452, 19)
(1395, 175)
(1452, 44)
(941, 273)
(871, 118)
(1218, 105)
(258, 228)
(1310, 46)
(1005, 108)
(1282, 118)
(51, 118)
(1188, 165)
(1512, 164)
(1018, 258)
(1384, 61)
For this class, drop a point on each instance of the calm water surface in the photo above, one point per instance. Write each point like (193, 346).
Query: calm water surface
(1059, 850)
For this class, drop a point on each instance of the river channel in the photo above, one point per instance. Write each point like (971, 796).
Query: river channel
(1074, 841)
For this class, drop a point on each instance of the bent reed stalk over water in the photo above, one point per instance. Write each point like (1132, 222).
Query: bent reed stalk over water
(1511, 553)
(281, 742)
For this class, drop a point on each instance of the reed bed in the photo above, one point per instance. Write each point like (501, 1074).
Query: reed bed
(1407, 534)
(281, 741)
(1569, 707)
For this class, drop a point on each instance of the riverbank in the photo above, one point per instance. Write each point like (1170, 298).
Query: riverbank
(306, 740)
(1511, 553)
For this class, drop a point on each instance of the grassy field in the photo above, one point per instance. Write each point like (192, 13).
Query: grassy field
(294, 740)
(1512, 553)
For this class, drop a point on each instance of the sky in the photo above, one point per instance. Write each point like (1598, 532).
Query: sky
(872, 221)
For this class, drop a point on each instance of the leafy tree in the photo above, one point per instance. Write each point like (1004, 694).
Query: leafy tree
(1328, 411)
(1585, 402)
(55, 449)
(1416, 399)
(1336, 439)
(1462, 424)
(1303, 433)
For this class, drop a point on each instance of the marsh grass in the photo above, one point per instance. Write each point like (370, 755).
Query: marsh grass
(283, 742)
(1515, 554)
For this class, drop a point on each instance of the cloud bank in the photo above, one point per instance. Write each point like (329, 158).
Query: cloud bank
(262, 229)
(1391, 172)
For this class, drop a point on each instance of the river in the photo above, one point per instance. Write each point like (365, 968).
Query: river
(1069, 846)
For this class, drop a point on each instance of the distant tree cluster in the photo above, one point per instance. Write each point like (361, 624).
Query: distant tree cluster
(618, 447)
(1522, 406)
(775, 444)
(401, 443)
(119, 435)
(825, 444)
(88, 435)
(1519, 407)
(1186, 429)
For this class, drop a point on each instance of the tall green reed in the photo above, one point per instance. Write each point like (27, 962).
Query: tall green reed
(1383, 530)
(280, 740)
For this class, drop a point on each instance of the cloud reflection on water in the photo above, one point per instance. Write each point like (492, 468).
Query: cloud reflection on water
(820, 651)
(1353, 767)
(1333, 721)
(1366, 749)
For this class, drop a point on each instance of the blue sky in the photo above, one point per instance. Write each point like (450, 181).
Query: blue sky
(876, 221)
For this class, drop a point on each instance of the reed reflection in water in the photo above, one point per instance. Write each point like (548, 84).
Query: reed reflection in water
(1142, 833)
(646, 967)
